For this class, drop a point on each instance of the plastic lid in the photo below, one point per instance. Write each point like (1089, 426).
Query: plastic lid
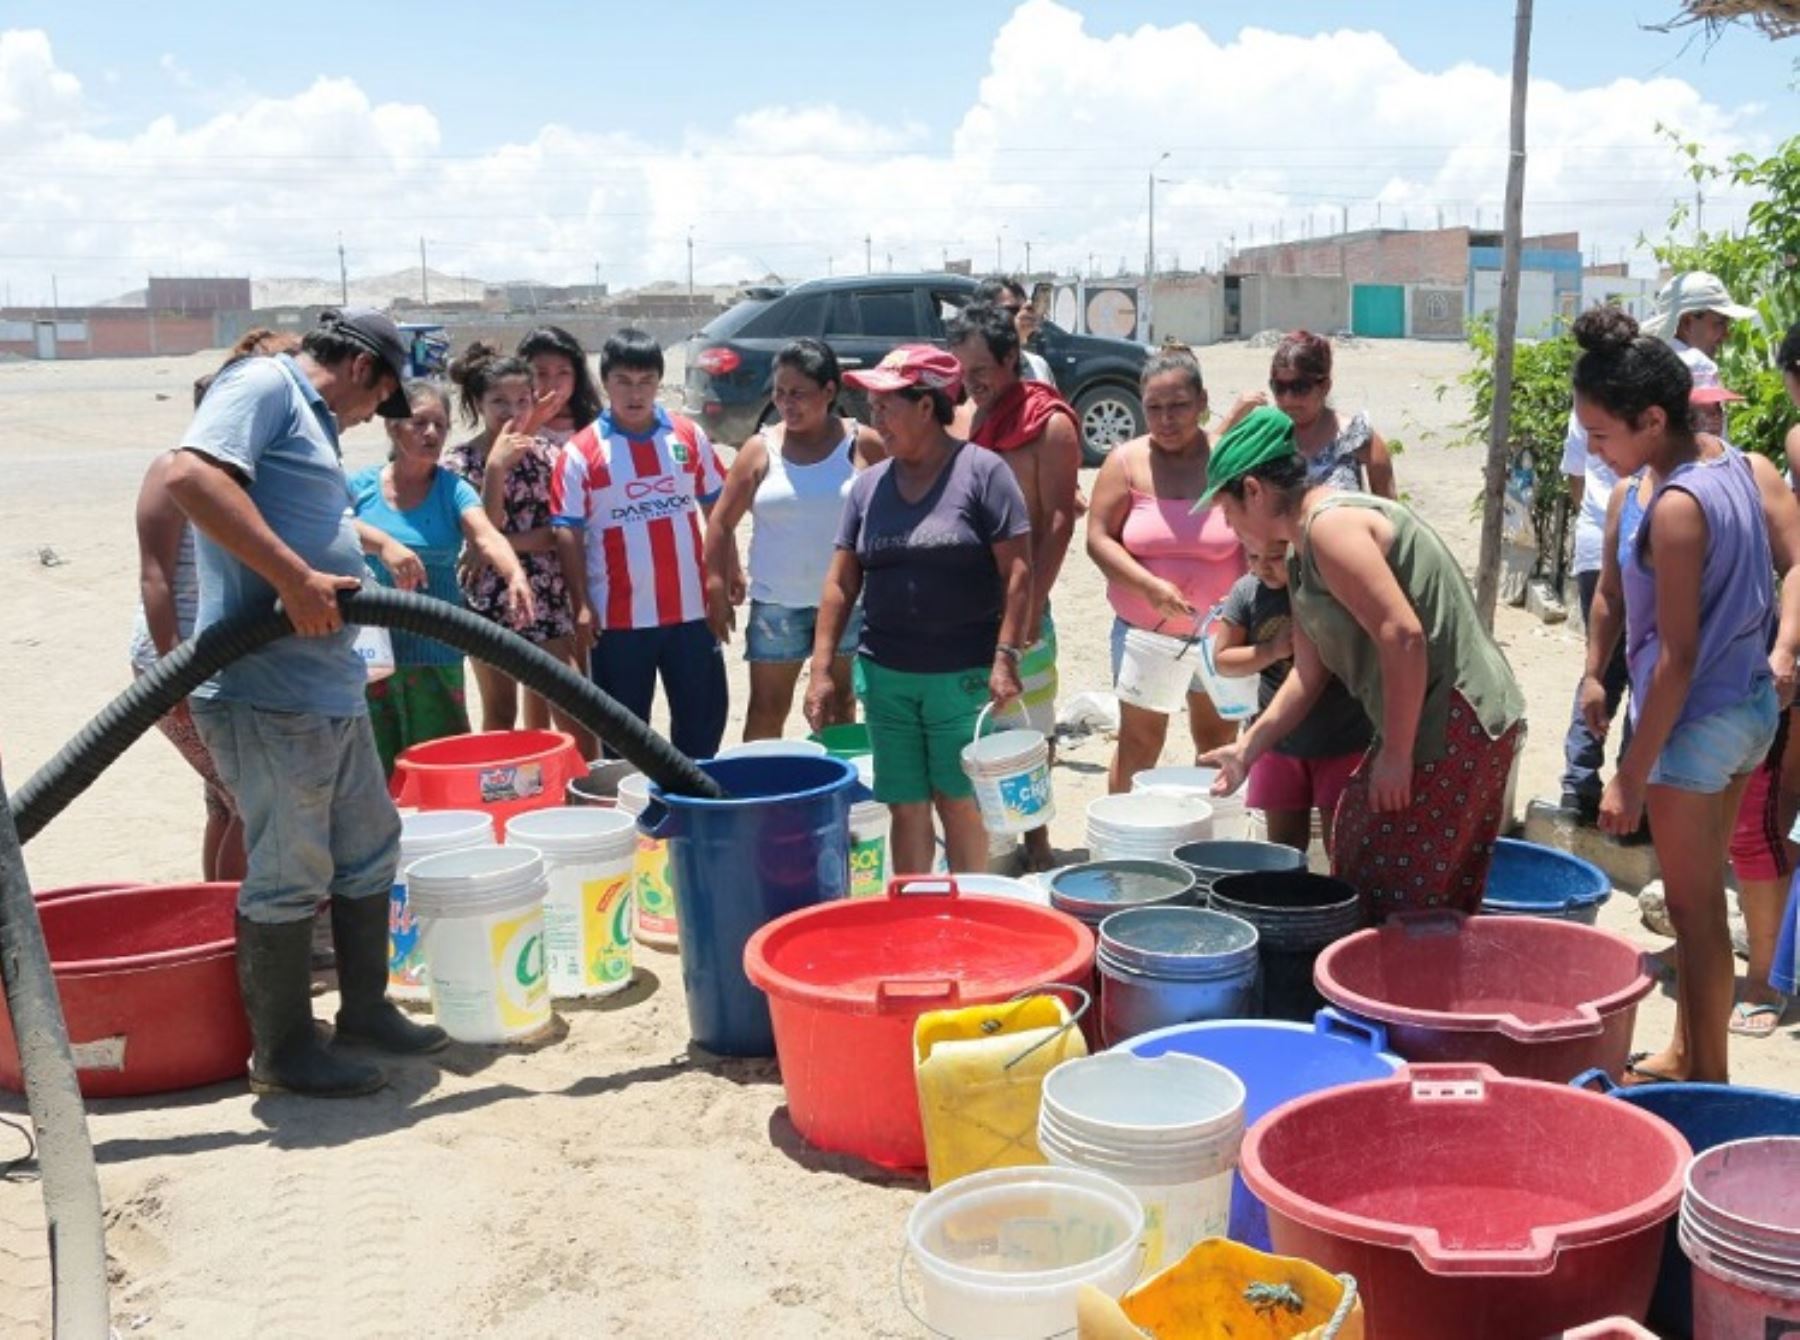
(1140, 811)
(1153, 937)
(475, 880)
(427, 831)
(1100, 887)
(576, 832)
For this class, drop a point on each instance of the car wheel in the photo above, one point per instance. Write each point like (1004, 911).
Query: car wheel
(1109, 415)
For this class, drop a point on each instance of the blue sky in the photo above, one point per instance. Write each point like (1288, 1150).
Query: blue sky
(542, 140)
(642, 66)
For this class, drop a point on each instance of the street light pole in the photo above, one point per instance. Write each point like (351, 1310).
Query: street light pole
(1150, 253)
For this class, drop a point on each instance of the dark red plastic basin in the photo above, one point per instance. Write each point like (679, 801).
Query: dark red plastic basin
(147, 976)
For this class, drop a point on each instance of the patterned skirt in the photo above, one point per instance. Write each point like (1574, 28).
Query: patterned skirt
(1436, 852)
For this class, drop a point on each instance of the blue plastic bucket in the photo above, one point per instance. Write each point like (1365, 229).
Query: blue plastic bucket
(1709, 1115)
(778, 843)
(1277, 1062)
(1528, 880)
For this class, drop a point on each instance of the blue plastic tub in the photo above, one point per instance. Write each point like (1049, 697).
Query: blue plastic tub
(1527, 880)
(780, 842)
(1708, 1115)
(1277, 1062)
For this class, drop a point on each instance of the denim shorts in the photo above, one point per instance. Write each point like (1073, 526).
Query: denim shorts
(1705, 755)
(782, 633)
(314, 799)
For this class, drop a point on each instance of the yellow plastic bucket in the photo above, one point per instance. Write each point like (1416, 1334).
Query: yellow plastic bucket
(1223, 1290)
(981, 1073)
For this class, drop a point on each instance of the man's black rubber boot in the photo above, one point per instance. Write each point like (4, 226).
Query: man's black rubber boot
(275, 975)
(359, 933)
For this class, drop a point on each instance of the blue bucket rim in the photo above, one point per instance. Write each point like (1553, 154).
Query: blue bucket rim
(1588, 898)
(849, 777)
(1371, 1042)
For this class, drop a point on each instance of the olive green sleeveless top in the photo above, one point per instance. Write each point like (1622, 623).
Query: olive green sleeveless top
(1460, 654)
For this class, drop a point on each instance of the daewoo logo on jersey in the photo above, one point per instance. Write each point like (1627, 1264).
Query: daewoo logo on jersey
(650, 509)
(637, 489)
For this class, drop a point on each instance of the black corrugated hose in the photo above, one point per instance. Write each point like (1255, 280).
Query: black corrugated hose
(97, 744)
(65, 1154)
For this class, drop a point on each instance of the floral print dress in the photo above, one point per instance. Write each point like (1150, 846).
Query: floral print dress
(527, 497)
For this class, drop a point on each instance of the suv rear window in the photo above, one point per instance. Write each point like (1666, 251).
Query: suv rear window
(879, 313)
(732, 322)
(791, 317)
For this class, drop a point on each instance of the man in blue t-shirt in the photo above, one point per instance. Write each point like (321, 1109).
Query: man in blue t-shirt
(260, 476)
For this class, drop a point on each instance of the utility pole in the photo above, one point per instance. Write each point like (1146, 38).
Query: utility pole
(999, 260)
(830, 261)
(343, 275)
(1150, 249)
(1699, 212)
(1343, 218)
(55, 301)
(690, 245)
(890, 260)
(1028, 255)
(424, 275)
(868, 253)
(1493, 502)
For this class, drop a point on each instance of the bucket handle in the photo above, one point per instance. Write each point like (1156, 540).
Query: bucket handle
(1594, 1081)
(1074, 1021)
(923, 886)
(1449, 1082)
(982, 716)
(657, 821)
(899, 994)
(1330, 1023)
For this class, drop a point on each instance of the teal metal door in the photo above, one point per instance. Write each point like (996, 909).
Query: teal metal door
(1378, 311)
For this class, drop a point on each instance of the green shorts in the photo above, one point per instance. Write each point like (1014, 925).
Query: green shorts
(918, 725)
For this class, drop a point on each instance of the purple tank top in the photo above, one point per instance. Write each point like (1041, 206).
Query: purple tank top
(1737, 589)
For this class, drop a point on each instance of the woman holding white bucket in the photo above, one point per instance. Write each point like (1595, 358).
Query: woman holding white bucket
(1166, 564)
(1380, 602)
(792, 477)
(936, 540)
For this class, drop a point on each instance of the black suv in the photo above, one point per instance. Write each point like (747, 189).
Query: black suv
(730, 364)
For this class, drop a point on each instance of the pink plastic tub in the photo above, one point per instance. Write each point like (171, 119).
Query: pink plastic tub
(1469, 1205)
(1740, 1226)
(1532, 997)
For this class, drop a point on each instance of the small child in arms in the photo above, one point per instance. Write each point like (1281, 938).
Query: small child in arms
(1308, 770)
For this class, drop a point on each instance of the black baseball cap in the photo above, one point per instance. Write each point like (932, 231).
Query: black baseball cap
(376, 332)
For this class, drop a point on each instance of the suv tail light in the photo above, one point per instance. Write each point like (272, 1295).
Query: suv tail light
(718, 361)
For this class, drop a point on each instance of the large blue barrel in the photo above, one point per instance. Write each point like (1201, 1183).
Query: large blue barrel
(1708, 1115)
(1278, 1062)
(779, 842)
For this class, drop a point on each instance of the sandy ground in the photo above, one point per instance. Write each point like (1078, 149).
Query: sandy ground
(606, 1183)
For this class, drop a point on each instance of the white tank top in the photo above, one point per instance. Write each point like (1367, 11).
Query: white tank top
(797, 510)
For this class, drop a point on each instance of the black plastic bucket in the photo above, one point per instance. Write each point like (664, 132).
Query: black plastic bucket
(1297, 914)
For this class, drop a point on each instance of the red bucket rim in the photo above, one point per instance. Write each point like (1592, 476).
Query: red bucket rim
(1423, 1244)
(1587, 1019)
(908, 993)
(418, 756)
(161, 958)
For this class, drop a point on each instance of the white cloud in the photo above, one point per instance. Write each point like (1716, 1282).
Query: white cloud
(1265, 131)
(178, 73)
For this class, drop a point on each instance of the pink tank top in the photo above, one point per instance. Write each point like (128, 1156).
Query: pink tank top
(1198, 552)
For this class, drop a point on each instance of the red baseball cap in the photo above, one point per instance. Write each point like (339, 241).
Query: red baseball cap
(910, 366)
(1711, 395)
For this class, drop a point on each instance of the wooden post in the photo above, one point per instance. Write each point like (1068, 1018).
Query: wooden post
(1493, 502)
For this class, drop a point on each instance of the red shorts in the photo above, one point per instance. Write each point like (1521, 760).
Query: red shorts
(1757, 852)
(1283, 782)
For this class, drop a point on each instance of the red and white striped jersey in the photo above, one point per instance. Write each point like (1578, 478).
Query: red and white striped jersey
(638, 500)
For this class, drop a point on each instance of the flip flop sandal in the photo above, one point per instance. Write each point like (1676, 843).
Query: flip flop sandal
(1744, 1020)
(1636, 1074)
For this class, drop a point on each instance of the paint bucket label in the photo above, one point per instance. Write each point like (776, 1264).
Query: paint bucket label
(501, 785)
(406, 957)
(655, 900)
(1025, 794)
(868, 867)
(517, 947)
(606, 931)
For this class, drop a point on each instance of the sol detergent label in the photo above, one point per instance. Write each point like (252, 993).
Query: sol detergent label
(517, 946)
(606, 930)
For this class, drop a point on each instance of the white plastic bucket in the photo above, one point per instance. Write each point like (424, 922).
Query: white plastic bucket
(424, 833)
(1156, 670)
(1011, 773)
(1234, 697)
(651, 893)
(1168, 1127)
(1003, 886)
(481, 919)
(1002, 1254)
(375, 649)
(776, 748)
(1145, 826)
(871, 849)
(1229, 817)
(1740, 1227)
(588, 856)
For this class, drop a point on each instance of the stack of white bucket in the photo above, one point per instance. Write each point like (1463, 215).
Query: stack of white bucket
(1228, 815)
(1148, 826)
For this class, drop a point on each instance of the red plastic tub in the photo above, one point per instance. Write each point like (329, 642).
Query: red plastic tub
(1471, 1205)
(147, 976)
(504, 772)
(847, 980)
(1532, 997)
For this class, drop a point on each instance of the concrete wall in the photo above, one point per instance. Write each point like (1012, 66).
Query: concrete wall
(110, 332)
(1280, 302)
(1190, 309)
(1375, 256)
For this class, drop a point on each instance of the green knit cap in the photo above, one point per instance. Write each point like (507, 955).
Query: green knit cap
(1261, 436)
